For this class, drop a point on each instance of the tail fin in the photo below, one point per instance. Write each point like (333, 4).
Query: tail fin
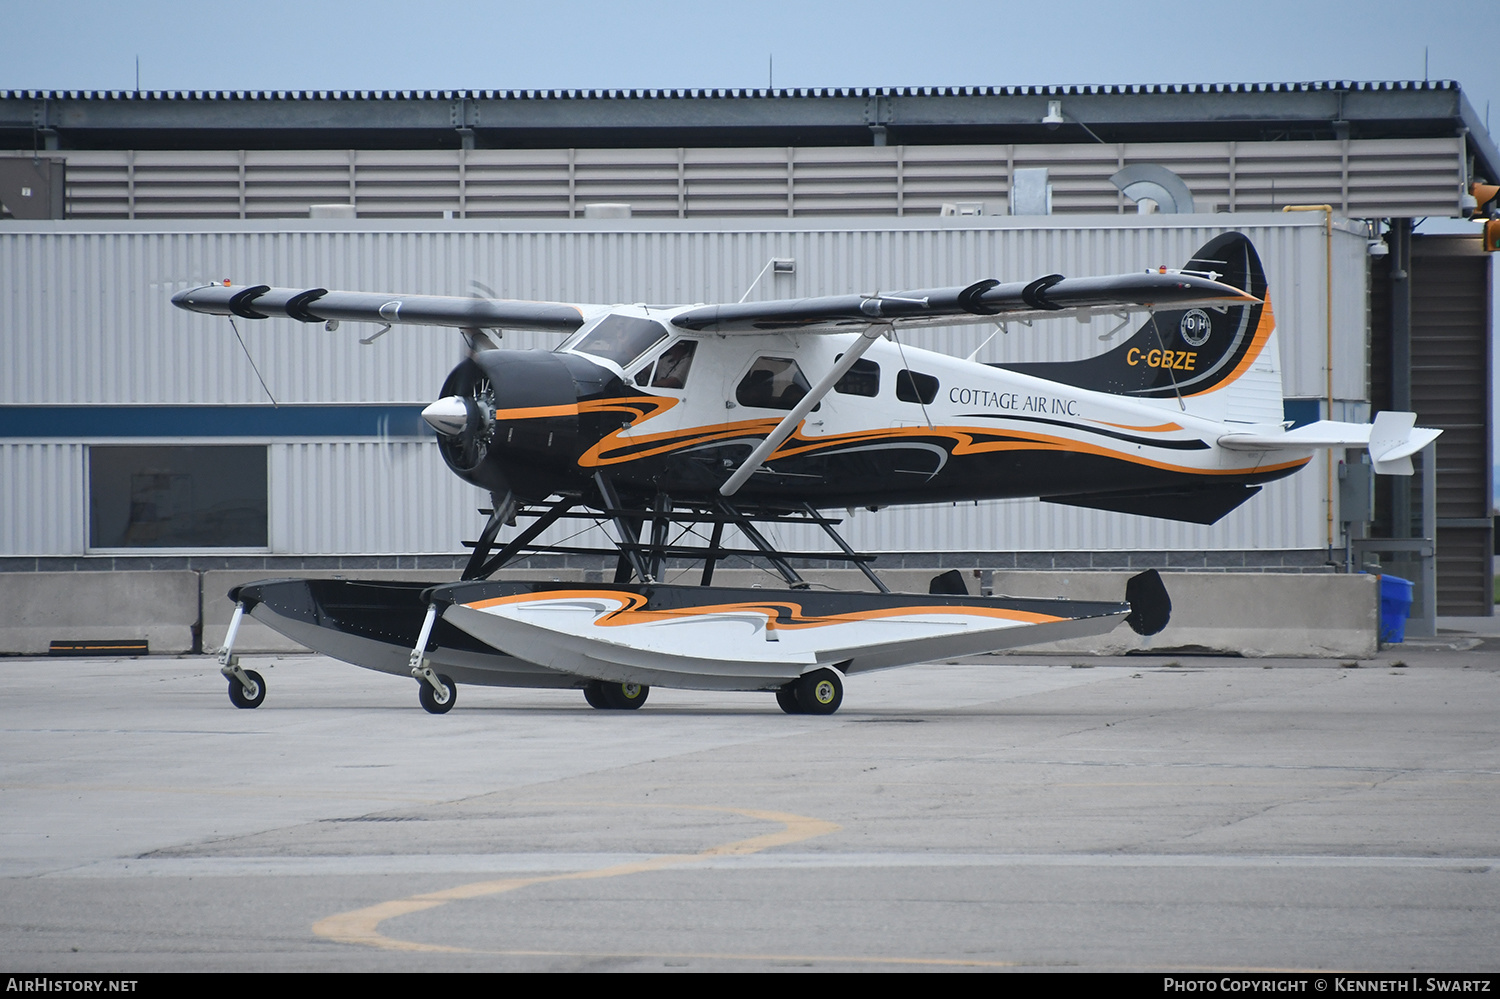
(1222, 363)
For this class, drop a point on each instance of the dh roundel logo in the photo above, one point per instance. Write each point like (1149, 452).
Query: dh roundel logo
(1195, 327)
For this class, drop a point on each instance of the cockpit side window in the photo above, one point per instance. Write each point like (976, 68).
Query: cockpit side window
(621, 338)
(673, 366)
(772, 383)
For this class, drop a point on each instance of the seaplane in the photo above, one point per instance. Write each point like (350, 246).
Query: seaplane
(673, 425)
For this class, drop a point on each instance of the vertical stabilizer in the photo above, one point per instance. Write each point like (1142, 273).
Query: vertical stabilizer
(1219, 363)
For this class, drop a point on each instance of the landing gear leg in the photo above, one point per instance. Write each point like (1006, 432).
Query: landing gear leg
(247, 688)
(437, 692)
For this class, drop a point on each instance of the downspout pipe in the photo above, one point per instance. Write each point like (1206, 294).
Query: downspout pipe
(1327, 211)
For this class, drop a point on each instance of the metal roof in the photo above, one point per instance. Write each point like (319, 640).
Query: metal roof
(746, 93)
(827, 116)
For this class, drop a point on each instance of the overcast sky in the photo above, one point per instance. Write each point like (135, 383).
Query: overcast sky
(443, 44)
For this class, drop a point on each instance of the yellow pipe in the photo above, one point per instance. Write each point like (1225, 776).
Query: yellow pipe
(1328, 341)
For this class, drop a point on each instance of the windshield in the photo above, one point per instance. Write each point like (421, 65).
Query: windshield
(621, 338)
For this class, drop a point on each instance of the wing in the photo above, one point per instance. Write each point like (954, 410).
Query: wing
(983, 302)
(317, 305)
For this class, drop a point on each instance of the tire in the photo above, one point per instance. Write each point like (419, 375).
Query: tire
(787, 698)
(819, 692)
(593, 692)
(237, 692)
(626, 696)
(430, 699)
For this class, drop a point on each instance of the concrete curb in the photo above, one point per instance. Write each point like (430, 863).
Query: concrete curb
(1249, 614)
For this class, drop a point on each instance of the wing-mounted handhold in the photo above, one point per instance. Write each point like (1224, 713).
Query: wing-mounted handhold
(297, 305)
(239, 302)
(969, 298)
(1035, 293)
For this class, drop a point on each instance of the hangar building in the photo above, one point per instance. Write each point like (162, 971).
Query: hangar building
(134, 436)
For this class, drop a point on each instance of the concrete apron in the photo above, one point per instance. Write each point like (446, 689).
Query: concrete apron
(1249, 614)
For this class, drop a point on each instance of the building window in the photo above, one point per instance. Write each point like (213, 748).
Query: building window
(178, 496)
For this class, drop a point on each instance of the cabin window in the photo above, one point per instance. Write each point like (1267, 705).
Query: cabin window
(621, 338)
(772, 383)
(913, 386)
(178, 496)
(863, 378)
(672, 368)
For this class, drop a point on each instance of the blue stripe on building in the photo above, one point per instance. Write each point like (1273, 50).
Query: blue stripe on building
(100, 422)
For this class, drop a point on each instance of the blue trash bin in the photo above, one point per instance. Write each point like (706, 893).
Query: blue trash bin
(1395, 606)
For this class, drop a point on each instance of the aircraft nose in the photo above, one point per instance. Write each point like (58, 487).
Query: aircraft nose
(448, 416)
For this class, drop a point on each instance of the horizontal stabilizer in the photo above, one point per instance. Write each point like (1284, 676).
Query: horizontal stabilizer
(1391, 440)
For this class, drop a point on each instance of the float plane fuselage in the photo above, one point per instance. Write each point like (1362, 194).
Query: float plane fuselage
(724, 416)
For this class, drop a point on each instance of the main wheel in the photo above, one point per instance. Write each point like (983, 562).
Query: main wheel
(593, 692)
(625, 696)
(787, 698)
(239, 698)
(435, 703)
(819, 692)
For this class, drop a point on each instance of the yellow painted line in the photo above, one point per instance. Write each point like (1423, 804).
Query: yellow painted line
(362, 926)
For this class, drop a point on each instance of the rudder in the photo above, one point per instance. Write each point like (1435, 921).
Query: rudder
(1187, 354)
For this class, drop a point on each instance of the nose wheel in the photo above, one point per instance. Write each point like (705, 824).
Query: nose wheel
(247, 689)
(615, 696)
(817, 693)
(438, 702)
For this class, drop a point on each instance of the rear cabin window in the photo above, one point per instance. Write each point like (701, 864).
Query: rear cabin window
(772, 383)
(862, 378)
(913, 386)
(621, 338)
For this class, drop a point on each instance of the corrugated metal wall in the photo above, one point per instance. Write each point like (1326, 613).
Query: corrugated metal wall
(1364, 178)
(43, 499)
(1451, 345)
(87, 321)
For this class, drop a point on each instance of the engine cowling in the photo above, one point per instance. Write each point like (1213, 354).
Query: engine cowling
(508, 419)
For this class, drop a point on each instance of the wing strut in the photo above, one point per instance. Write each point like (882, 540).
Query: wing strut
(789, 421)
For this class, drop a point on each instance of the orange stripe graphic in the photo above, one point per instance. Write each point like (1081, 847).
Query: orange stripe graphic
(632, 613)
(1263, 332)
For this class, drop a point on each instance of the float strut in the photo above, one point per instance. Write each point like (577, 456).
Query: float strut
(828, 528)
(629, 535)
